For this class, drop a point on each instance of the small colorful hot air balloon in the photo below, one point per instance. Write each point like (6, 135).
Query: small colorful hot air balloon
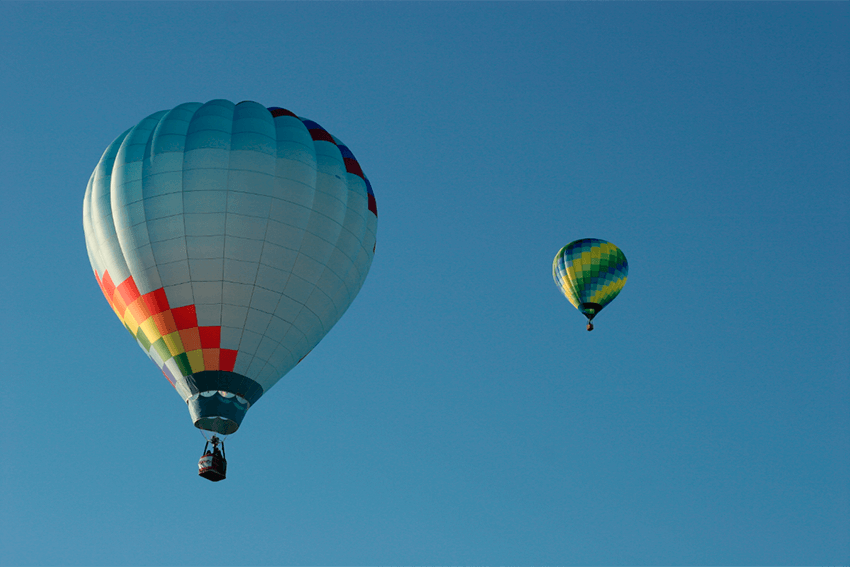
(229, 239)
(591, 273)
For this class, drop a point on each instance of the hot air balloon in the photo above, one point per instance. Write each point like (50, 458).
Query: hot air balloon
(591, 273)
(228, 239)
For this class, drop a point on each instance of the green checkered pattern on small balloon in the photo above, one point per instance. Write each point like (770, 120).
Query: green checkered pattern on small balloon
(590, 271)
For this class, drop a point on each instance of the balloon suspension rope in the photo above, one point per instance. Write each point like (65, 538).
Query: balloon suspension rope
(216, 441)
(219, 435)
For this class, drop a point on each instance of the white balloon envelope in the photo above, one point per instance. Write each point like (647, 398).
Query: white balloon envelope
(229, 239)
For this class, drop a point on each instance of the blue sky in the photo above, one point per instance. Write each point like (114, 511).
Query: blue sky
(459, 413)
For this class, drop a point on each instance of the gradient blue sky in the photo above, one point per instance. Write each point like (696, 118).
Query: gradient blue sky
(459, 413)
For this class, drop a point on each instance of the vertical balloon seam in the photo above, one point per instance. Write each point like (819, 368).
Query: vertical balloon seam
(91, 243)
(188, 327)
(317, 134)
(134, 308)
(268, 363)
(269, 369)
(280, 344)
(151, 319)
(566, 281)
(103, 224)
(266, 116)
(344, 229)
(214, 335)
(227, 214)
(101, 189)
(92, 246)
(179, 343)
(104, 172)
(118, 198)
(351, 169)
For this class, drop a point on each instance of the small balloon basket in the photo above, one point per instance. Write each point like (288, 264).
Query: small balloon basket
(212, 465)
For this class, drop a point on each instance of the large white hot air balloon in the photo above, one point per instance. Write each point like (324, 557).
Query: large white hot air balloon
(229, 239)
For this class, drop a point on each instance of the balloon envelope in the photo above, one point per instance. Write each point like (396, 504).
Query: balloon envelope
(229, 239)
(591, 273)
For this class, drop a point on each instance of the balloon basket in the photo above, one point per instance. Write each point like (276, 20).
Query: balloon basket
(212, 465)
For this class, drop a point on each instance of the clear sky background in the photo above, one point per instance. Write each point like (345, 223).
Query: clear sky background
(459, 413)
